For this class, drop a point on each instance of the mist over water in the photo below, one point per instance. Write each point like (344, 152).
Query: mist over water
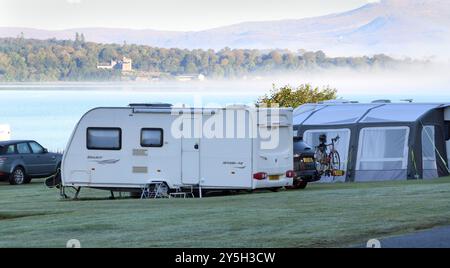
(422, 83)
(48, 112)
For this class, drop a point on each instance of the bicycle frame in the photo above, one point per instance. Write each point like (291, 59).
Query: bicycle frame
(325, 160)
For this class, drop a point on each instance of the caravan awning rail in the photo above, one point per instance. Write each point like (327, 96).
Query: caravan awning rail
(149, 108)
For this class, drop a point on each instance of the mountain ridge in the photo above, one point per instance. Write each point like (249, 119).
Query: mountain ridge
(415, 28)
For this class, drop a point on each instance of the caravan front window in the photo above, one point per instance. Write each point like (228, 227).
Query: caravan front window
(104, 138)
(151, 137)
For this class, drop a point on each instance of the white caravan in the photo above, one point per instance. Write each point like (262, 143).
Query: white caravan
(5, 132)
(236, 147)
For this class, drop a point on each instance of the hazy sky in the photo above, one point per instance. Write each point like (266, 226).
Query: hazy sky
(160, 14)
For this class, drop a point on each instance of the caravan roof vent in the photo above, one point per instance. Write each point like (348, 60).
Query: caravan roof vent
(151, 105)
(382, 101)
(237, 106)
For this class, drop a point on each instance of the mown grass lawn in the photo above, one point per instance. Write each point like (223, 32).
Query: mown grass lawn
(335, 215)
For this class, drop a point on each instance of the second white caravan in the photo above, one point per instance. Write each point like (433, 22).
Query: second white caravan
(125, 148)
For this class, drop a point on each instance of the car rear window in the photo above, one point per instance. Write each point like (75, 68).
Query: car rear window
(7, 149)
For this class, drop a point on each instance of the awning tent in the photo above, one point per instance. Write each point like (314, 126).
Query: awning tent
(381, 141)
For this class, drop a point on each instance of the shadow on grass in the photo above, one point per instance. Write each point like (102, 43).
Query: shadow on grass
(313, 187)
(11, 216)
(206, 194)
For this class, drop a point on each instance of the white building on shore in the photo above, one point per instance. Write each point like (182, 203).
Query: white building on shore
(125, 65)
(190, 77)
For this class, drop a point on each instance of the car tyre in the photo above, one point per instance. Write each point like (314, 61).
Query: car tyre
(18, 177)
(302, 184)
(299, 184)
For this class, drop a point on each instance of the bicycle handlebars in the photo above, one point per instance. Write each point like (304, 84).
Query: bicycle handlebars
(336, 139)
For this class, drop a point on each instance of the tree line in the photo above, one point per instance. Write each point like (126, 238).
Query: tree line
(76, 60)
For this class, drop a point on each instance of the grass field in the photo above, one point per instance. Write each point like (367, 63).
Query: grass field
(337, 215)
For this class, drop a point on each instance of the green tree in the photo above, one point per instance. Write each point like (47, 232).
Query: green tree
(288, 96)
(24, 59)
(107, 54)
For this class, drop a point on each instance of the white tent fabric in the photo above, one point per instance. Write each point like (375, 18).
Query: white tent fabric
(339, 114)
(382, 153)
(397, 113)
(311, 137)
(348, 113)
(429, 153)
(304, 111)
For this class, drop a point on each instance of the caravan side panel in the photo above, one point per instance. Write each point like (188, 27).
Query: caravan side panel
(131, 166)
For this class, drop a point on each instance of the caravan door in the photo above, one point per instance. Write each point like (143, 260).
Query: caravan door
(190, 149)
(226, 157)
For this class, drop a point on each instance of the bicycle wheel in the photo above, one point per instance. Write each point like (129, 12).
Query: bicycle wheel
(320, 161)
(335, 162)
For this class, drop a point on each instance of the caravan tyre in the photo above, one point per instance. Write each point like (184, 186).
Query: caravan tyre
(164, 189)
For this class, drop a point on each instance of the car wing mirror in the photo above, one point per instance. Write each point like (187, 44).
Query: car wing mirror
(45, 151)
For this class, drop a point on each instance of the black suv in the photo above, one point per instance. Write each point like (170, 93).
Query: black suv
(20, 161)
(304, 164)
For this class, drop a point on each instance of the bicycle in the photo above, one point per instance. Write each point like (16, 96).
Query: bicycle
(328, 163)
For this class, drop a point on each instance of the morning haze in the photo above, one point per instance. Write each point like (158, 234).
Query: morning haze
(172, 15)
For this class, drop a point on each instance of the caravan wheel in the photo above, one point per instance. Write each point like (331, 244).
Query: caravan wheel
(164, 189)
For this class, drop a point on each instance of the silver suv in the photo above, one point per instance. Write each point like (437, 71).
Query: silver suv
(20, 161)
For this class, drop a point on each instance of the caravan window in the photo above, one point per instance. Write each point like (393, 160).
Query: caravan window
(152, 137)
(104, 138)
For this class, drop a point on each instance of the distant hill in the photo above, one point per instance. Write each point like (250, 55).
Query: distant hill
(398, 27)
